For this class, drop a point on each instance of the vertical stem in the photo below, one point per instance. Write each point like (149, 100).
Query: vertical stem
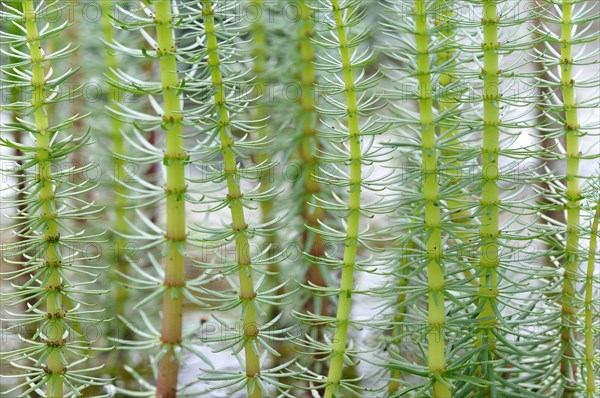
(446, 35)
(119, 202)
(399, 315)
(546, 142)
(53, 328)
(457, 213)
(239, 225)
(308, 121)
(433, 233)
(569, 307)
(309, 146)
(447, 76)
(260, 54)
(589, 310)
(489, 229)
(175, 160)
(349, 260)
(16, 94)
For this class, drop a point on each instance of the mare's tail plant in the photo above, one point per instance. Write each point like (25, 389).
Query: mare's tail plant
(505, 259)
(239, 230)
(591, 349)
(425, 206)
(590, 364)
(118, 169)
(476, 277)
(442, 209)
(563, 108)
(308, 188)
(430, 200)
(170, 285)
(221, 154)
(572, 196)
(489, 230)
(351, 147)
(51, 360)
(260, 54)
(432, 220)
(175, 159)
(267, 157)
(18, 137)
(296, 147)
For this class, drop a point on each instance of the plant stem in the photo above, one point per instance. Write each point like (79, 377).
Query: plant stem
(309, 147)
(239, 225)
(260, 54)
(175, 160)
(447, 35)
(265, 177)
(489, 229)
(53, 328)
(312, 212)
(15, 96)
(457, 213)
(119, 201)
(435, 272)
(445, 60)
(589, 310)
(399, 315)
(349, 260)
(569, 307)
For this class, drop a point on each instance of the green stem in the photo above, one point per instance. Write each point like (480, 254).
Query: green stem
(399, 315)
(451, 152)
(569, 306)
(309, 147)
(308, 122)
(53, 328)
(349, 260)
(590, 348)
(52, 256)
(260, 54)
(239, 225)
(175, 160)
(435, 272)
(15, 96)
(489, 228)
(121, 293)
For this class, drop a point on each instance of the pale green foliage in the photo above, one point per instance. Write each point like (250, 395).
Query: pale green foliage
(53, 283)
(358, 198)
